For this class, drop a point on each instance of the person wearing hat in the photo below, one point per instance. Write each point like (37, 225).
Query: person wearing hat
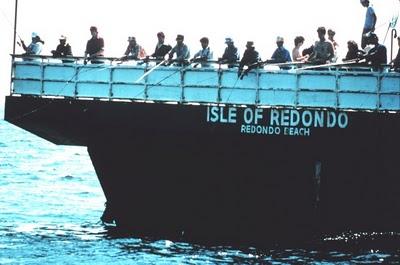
(250, 59)
(94, 46)
(231, 54)
(281, 54)
(133, 51)
(323, 51)
(370, 22)
(35, 47)
(63, 49)
(161, 49)
(377, 56)
(205, 54)
(181, 52)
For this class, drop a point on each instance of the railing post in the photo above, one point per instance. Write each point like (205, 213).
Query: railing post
(378, 90)
(337, 85)
(219, 84)
(42, 68)
(76, 79)
(182, 71)
(257, 100)
(110, 92)
(298, 75)
(146, 87)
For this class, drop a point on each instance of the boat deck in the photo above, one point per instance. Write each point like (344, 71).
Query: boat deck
(339, 88)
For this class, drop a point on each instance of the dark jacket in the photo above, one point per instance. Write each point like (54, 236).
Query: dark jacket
(250, 57)
(231, 55)
(94, 45)
(160, 52)
(377, 56)
(62, 50)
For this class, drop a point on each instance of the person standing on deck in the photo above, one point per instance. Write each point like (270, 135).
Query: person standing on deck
(181, 52)
(161, 49)
(281, 54)
(250, 59)
(323, 51)
(94, 47)
(205, 54)
(370, 22)
(231, 54)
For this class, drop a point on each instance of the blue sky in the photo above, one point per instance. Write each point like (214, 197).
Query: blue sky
(257, 20)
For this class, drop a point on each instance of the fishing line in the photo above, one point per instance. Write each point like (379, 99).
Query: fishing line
(80, 71)
(10, 25)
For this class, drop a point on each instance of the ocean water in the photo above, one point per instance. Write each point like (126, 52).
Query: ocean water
(51, 202)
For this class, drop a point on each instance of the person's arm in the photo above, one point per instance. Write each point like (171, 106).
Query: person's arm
(331, 52)
(171, 53)
(24, 46)
(375, 18)
(197, 54)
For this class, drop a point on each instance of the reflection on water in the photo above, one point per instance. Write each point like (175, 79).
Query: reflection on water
(51, 201)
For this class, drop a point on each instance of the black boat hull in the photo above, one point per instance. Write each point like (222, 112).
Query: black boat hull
(193, 173)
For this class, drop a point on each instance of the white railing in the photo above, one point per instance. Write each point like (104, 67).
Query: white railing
(335, 87)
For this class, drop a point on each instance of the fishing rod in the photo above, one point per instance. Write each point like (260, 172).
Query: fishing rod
(329, 65)
(11, 26)
(151, 70)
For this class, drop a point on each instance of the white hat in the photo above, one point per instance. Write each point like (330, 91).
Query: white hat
(279, 39)
(228, 40)
(34, 35)
(63, 37)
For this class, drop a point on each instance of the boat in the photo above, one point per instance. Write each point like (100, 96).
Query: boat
(197, 154)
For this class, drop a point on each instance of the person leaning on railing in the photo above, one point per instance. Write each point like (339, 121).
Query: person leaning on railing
(94, 47)
(63, 50)
(323, 50)
(161, 49)
(203, 55)
(377, 56)
(134, 50)
(181, 52)
(250, 59)
(231, 54)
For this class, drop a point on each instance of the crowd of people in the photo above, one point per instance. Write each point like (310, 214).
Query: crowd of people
(324, 51)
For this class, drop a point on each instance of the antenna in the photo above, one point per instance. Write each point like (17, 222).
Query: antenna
(15, 25)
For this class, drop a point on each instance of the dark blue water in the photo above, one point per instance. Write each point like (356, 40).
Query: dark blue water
(51, 201)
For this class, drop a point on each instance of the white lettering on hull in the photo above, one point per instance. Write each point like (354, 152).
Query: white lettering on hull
(288, 122)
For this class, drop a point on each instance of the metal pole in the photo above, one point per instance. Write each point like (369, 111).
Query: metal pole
(14, 43)
(15, 25)
(393, 36)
